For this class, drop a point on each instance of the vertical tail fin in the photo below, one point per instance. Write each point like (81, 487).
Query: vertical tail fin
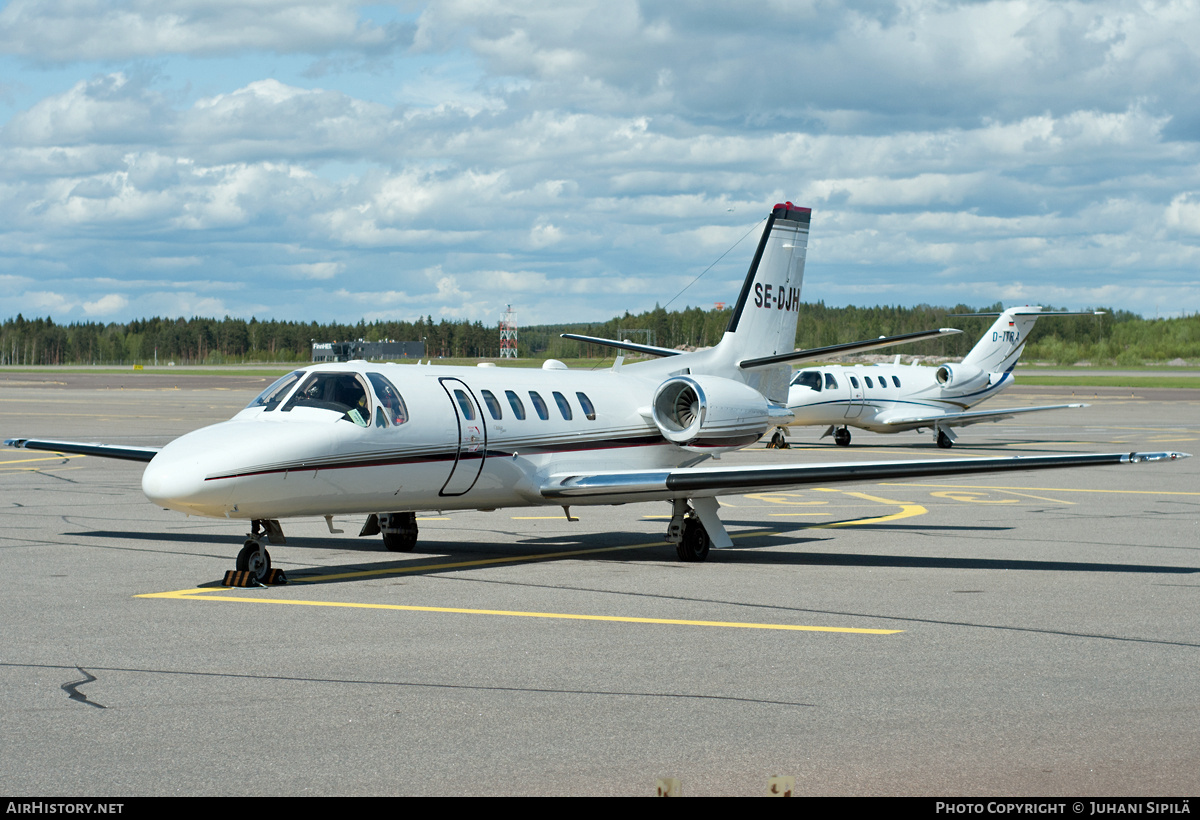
(997, 350)
(1002, 345)
(764, 317)
(1000, 348)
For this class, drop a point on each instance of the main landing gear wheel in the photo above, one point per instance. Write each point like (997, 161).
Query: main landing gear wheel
(695, 544)
(399, 531)
(254, 559)
(778, 441)
(841, 437)
(944, 440)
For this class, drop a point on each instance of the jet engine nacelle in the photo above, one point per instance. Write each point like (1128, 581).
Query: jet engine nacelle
(960, 377)
(707, 413)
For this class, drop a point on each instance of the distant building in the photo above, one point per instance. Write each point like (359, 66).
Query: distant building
(370, 351)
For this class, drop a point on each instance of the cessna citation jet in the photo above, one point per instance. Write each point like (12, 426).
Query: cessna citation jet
(889, 398)
(385, 440)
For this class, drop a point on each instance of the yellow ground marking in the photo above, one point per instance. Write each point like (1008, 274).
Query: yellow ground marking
(1058, 442)
(784, 498)
(1040, 498)
(906, 511)
(976, 498)
(43, 458)
(204, 595)
(207, 594)
(1040, 489)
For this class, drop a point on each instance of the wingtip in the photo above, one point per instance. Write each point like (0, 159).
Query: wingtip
(1138, 458)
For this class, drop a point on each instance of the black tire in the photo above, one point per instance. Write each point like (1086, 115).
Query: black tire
(251, 560)
(944, 441)
(403, 539)
(695, 544)
(841, 437)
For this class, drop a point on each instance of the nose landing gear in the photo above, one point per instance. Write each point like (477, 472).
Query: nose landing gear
(253, 561)
(778, 441)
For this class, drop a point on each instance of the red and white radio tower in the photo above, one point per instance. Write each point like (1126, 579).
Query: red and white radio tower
(508, 334)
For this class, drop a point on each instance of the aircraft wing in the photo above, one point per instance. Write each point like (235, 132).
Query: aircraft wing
(612, 486)
(815, 353)
(971, 416)
(649, 350)
(812, 354)
(122, 451)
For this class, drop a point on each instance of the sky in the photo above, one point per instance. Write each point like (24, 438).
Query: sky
(333, 161)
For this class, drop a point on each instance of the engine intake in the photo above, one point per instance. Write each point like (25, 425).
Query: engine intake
(706, 413)
(960, 377)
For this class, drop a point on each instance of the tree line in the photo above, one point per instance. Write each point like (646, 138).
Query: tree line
(222, 341)
(1118, 337)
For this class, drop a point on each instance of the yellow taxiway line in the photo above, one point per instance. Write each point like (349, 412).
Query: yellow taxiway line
(210, 594)
(205, 595)
(1039, 489)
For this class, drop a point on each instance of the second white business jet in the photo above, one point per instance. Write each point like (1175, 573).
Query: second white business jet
(385, 440)
(890, 398)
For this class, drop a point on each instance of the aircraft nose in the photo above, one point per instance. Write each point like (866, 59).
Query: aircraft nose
(177, 478)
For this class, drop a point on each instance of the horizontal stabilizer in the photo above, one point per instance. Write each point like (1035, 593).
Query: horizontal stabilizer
(688, 482)
(845, 349)
(971, 416)
(121, 451)
(649, 350)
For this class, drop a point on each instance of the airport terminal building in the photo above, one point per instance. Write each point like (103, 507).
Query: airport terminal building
(369, 351)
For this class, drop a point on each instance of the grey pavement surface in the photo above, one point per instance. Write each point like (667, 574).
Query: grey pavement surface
(1044, 636)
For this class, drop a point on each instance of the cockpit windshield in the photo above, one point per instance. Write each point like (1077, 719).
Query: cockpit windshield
(343, 393)
(808, 378)
(273, 395)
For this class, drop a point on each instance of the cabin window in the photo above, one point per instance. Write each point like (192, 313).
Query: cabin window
(539, 404)
(854, 381)
(830, 382)
(586, 404)
(493, 405)
(390, 401)
(867, 379)
(808, 378)
(896, 380)
(274, 395)
(514, 401)
(563, 406)
(465, 403)
(341, 392)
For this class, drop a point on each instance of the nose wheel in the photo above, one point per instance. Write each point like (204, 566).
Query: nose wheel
(841, 437)
(255, 559)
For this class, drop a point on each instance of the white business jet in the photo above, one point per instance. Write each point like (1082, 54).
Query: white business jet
(386, 440)
(890, 398)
